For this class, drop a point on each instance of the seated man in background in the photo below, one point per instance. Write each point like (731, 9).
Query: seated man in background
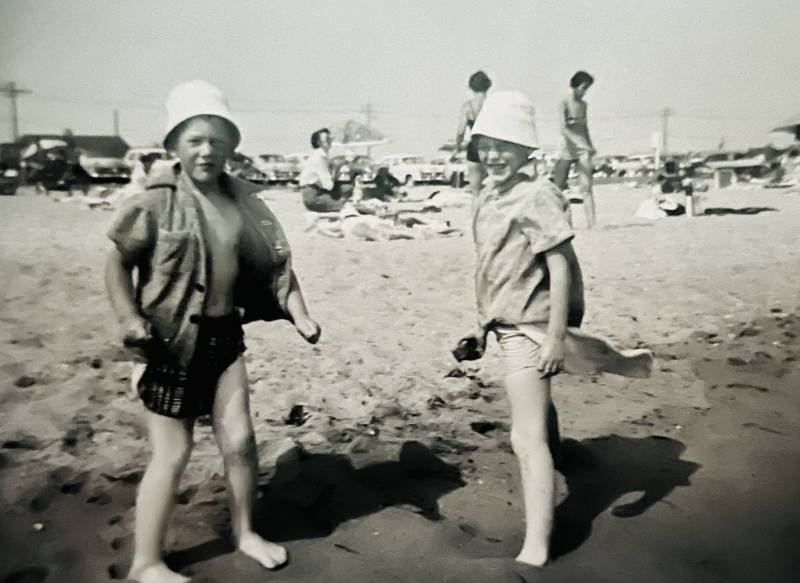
(320, 194)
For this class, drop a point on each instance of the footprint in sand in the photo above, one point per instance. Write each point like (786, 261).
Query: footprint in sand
(28, 575)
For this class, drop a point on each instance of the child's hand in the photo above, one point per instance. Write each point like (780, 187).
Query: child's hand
(470, 347)
(136, 332)
(308, 329)
(551, 360)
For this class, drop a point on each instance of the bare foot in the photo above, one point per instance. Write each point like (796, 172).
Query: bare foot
(268, 554)
(532, 557)
(157, 573)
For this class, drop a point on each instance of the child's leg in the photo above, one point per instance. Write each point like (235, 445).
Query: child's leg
(560, 173)
(585, 172)
(172, 444)
(529, 396)
(235, 437)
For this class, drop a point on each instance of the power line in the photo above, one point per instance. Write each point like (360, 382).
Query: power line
(665, 114)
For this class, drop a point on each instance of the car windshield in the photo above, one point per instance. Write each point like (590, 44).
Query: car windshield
(272, 158)
(413, 160)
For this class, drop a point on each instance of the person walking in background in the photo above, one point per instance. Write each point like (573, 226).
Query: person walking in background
(479, 84)
(576, 144)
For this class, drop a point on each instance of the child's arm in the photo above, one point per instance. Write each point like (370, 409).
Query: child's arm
(298, 312)
(552, 356)
(119, 285)
(462, 129)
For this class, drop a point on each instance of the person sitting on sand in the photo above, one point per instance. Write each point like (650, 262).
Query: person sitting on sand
(530, 294)
(320, 193)
(577, 147)
(209, 256)
(385, 187)
(479, 85)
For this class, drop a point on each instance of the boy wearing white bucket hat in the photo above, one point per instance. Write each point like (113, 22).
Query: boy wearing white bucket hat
(209, 256)
(530, 294)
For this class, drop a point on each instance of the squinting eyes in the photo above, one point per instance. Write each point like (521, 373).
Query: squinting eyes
(214, 143)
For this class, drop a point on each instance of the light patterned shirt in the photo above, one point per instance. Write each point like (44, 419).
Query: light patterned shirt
(513, 230)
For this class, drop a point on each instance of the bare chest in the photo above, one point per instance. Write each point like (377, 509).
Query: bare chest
(223, 225)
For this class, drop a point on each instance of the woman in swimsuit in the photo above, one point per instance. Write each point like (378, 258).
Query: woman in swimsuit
(479, 84)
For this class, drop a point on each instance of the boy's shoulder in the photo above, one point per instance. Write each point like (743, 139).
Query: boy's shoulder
(536, 187)
(150, 199)
(540, 197)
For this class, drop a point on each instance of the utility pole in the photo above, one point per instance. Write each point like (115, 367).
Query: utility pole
(11, 91)
(367, 111)
(116, 122)
(665, 115)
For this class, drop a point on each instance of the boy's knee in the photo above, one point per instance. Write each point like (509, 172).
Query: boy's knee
(529, 439)
(239, 445)
(172, 458)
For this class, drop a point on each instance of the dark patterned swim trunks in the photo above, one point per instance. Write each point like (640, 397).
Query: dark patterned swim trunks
(174, 391)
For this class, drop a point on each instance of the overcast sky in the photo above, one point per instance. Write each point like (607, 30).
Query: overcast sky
(727, 68)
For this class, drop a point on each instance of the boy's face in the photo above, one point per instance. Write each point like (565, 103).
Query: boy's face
(581, 90)
(501, 159)
(203, 146)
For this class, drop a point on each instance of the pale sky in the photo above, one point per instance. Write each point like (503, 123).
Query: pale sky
(727, 68)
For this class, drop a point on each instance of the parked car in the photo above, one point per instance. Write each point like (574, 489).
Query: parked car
(244, 167)
(101, 157)
(10, 175)
(347, 168)
(135, 154)
(635, 165)
(277, 169)
(410, 169)
(297, 158)
(50, 162)
(455, 170)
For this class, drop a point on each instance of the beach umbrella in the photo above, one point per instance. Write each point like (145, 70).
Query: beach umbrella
(791, 125)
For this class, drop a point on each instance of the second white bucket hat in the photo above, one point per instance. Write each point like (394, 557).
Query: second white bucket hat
(194, 98)
(508, 116)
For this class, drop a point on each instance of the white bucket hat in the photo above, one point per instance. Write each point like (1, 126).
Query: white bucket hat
(194, 98)
(508, 116)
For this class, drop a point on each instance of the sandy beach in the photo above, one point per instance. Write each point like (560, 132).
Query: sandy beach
(381, 460)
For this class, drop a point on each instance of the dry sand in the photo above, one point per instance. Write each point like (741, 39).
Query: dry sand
(399, 472)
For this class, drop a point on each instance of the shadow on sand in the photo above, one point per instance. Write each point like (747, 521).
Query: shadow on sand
(310, 496)
(599, 471)
(748, 210)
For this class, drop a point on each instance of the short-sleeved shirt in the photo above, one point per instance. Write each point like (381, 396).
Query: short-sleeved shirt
(316, 171)
(513, 230)
(162, 232)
